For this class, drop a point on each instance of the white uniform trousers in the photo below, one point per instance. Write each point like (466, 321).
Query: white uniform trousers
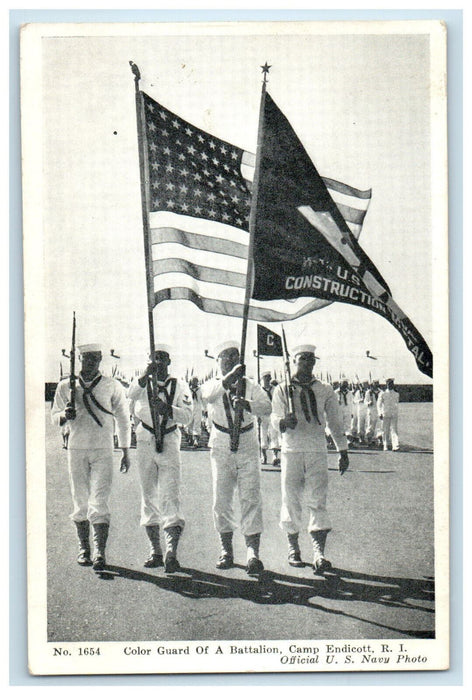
(269, 436)
(390, 430)
(361, 409)
(231, 471)
(304, 477)
(159, 480)
(195, 426)
(371, 423)
(353, 427)
(90, 478)
(347, 419)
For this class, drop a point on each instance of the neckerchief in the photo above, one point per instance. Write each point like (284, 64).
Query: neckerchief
(87, 394)
(307, 395)
(344, 395)
(268, 392)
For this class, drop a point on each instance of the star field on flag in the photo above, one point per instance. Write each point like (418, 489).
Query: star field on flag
(192, 172)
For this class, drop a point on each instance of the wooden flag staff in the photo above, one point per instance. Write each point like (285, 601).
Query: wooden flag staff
(145, 198)
(250, 268)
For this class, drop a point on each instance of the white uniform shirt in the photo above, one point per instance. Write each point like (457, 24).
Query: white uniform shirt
(370, 400)
(196, 397)
(269, 392)
(85, 432)
(387, 403)
(309, 436)
(181, 409)
(345, 400)
(359, 397)
(213, 392)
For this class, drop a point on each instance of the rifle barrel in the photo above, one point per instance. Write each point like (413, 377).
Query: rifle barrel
(291, 402)
(72, 364)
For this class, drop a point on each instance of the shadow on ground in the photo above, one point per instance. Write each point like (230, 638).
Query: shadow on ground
(277, 589)
(374, 450)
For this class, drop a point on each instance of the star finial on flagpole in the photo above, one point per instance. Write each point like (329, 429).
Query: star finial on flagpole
(265, 70)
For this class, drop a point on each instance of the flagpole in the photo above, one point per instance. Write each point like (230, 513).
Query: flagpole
(250, 267)
(252, 215)
(144, 177)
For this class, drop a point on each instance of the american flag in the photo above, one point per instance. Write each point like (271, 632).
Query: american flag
(199, 197)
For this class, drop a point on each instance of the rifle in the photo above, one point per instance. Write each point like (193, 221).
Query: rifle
(288, 376)
(72, 377)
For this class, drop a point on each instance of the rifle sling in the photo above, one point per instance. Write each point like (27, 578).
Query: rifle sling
(169, 397)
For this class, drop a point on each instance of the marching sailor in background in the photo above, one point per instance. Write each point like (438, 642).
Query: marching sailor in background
(371, 397)
(195, 426)
(360, 409)
(304, 454)
(159, 473)
(239, 469)
(387, 406)
(269, 436)
(99, 402)
(345, 401)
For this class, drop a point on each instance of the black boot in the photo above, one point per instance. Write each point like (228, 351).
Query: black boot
(320, 563)
(254, 565)
(172, 535)
(155, 558)
(294, 557)
(100, 537)
(226, 559)
(83, 533)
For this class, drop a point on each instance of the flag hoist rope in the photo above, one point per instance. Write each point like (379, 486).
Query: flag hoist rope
(250, 265)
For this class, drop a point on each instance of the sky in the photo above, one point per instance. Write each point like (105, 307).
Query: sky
(360, 104)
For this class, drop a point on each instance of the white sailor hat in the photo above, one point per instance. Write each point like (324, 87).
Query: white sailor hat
(266, 373)
(225, 346)
(90, 347)
(303, 348)
(162, 347)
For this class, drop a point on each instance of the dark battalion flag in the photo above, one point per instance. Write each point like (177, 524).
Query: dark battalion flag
(302, 244)
(268, 342)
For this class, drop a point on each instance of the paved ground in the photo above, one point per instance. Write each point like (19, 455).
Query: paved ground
(381, 544)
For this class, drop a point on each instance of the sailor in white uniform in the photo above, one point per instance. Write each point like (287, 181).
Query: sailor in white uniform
(195, 426)
(304, 454)
(235, 470)
(387, 406)
(99, 402)
(345, 401)
(270, 438)
(159, 471)
(360, 408)
(371, 398)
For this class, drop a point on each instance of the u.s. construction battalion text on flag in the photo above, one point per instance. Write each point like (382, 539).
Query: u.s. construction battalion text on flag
(199, 201)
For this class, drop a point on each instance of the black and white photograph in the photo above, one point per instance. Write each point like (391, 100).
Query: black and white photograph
(235, 273)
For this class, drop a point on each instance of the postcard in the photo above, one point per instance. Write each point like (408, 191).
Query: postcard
(236, 281)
